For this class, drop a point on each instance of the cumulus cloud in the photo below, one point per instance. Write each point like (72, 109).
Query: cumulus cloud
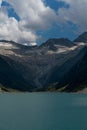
(34, 15)
(76, 13)
(0, 2)
(9, 30)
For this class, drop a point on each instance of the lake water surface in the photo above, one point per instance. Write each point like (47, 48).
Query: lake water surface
(43, 111)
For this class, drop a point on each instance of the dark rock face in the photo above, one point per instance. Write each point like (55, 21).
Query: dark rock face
(78, 75)
(9, 77)
(76, 78)
(60, 41)
(82, 38)
(56, 63)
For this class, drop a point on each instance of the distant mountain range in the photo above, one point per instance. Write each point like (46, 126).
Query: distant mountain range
(56, 65)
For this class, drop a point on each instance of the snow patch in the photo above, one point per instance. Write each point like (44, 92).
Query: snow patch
(64, 49)
(7, 46)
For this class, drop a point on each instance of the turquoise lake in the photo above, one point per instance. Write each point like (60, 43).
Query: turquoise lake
(43, 111)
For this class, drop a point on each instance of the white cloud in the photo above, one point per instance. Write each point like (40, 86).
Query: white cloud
(77, 13)
(9, 30)
(34, 15)
(0, 2)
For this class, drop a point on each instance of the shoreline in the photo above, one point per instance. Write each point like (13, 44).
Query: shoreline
(10, 90)
(17, 92)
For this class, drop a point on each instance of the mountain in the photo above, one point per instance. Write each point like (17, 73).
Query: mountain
(60, 41)
(82, 38)
(54, 65)
(76, 78)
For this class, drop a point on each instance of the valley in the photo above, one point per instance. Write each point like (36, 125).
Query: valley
(56, 65)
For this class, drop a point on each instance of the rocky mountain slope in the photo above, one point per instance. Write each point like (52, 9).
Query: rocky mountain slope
(82, 38)
(58, 64)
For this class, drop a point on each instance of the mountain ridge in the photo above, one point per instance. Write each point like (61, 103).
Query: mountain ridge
(50, 65)
(82, 38)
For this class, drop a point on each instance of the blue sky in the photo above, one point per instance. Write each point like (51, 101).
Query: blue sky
(57, 21)
(55, 4)
(56, 31)
(11, 11)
